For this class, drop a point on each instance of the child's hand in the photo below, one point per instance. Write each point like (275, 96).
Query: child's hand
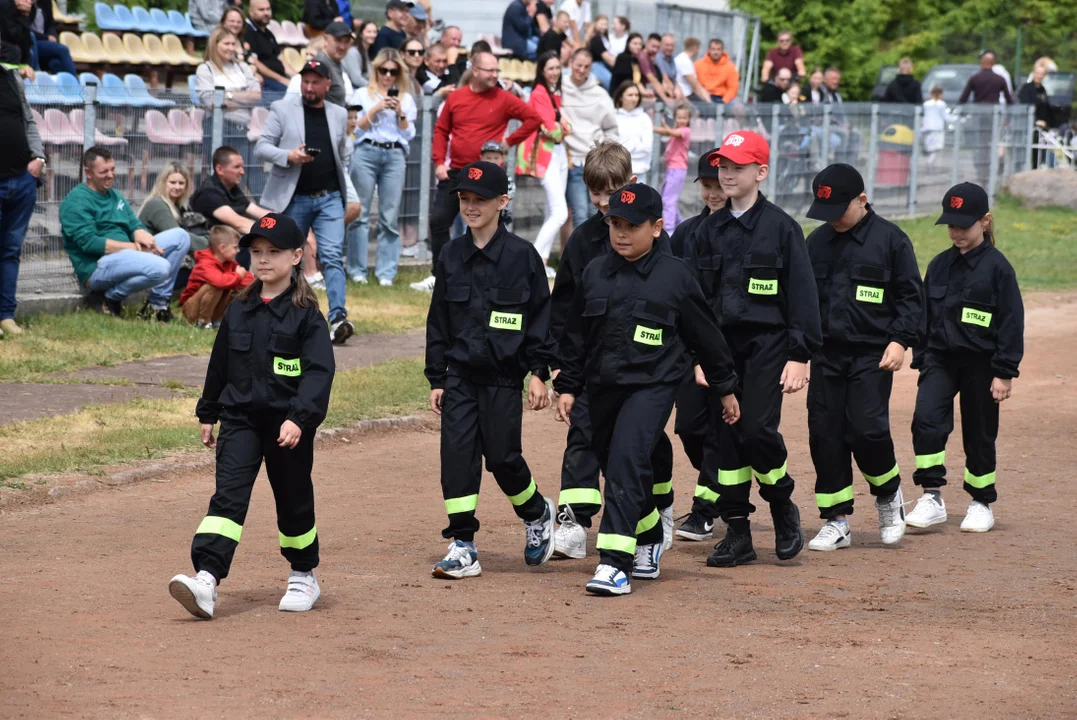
(701, 379)
(1000, 389)
(435, 400)
(207, 435)
(794, 377)
(289, 435)
(893, 358)
(564, 408)
(730, 409)
(538, 397)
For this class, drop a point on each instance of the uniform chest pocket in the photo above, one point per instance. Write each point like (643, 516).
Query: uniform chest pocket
(239, 341)
(710, 267)
(508, 308)
(239, 361)
(595, 307)
(869, 283)
(761, 272)
(652, 324)
(457, 296)
(284, 351)
(977, 308)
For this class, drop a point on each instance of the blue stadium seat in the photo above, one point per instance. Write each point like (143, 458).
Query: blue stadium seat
(140, 94)
(125, 17)
(143, 23)
(113, 92)
(190, 28)
(190, 89)
(161, 25)
(70, 89)
(33, 94)
(106, 17)
(178, 23)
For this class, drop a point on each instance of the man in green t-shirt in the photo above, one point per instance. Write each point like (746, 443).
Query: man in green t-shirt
(112, 253)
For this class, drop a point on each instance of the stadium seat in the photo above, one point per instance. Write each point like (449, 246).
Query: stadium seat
(143, 21)
(198, 117)
(161, 24)
(191, 30)
(178, 22)
(184, 128)
(60, 130)
(42, 128)
(259, 115)
(292, 34)
(527, 71)
(70, 88)
(136, 51)
(88, 79)
(115, 52)
(293, 57)
(74, 46)
(93, 46)
(105, 18)
(191, 91)
(505, 65)
(304, 36)
(113, 91)
(125, 17)
(278, 32)
(78, 121)
(160, 131)
(155, 49)
(175, 52)
(141, 94)
(63, 18)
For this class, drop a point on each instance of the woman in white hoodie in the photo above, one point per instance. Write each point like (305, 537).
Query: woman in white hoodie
(635, 127)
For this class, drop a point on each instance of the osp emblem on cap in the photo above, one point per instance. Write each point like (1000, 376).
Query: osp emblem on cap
(956, 202)
(824, 192)
(734, 140)
(474, 174)
(714, 160)
(268, 223)
(628, 197)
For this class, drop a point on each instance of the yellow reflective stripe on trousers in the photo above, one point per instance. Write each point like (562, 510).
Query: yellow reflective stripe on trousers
(735, 477)
(825, 500)
(468, 503)
(923, 462)
(620, 543)
(580, 496)
(886, 477)
(662, 488)
(979, 481)
(772, 477)
(705, 493)
(648, 522)
(212, 525)
(300, 541)
(521, 498)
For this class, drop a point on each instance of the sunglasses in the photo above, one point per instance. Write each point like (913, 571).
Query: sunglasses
(414, 52)
(393, 72)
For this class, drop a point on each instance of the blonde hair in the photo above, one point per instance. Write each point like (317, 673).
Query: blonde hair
(160, 188)
(213, 56)
(222, 235)
(387, 55)
(989, 231)
(593, 30)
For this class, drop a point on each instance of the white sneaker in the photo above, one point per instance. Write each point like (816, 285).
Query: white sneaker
(361, 279)
(979, 518)
(645, 564)
(930, 510)
(891, 518)
(302, 592)
(316, 281)
(832, 536)
(608, 580)
(667, 527)
(570, 538)
(461, 561)
(426, 285)
(385, 282)
(198, 595)
(410, 251)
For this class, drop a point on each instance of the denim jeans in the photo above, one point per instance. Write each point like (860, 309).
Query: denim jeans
(384, 169)
(326, 215)
(602, 73)
(50, 57)
(129, 271)
(17, 197)
(579, 200)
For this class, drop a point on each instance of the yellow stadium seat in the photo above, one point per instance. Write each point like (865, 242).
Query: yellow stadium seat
(93, 47)
(115, 52)
(516, 68)
(176, 53)
(74, 45)
(136, 50)
(505, 65)
(527, 71)
(64, 18)
(155, 50)
(293, 57)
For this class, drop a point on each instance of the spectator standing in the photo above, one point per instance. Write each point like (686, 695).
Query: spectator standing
(517, 29)
(364, 42)
(167, 206)
(986, 86)
(589, 111)
(434, 75)
(786, 55)
(413, 53)
(627, 68)
(635, 127)
(224, 68)
(934, 124)
(459, 136)
(543, 19)
(338, 41)
(660, 84)
(598, 45)
(717, 73)
(112, 253)
(904, 88)
(319, 14)
(392, 34)
(221, 200)
(416, 22)
(676, 161)
(310, 187)
(263, 47)
(1034, 93)
(386, 127)
(686, 72)
(21, 165)
(206, 14)
(773, 90)
(356, 62)
(579, 18)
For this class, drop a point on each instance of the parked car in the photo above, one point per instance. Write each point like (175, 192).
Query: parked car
(951, 78)
(887, 73)
(1059, 86)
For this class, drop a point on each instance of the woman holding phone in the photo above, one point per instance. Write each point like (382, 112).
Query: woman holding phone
(386, 126)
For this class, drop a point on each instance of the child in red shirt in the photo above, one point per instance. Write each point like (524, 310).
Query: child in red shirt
(215, 280)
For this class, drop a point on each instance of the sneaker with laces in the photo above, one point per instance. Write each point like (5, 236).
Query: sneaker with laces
(930, 510)
(645, 566)
(979, 518)
(317, 281)
(891, 517)
(461, 561)
(667, 527)
(608, 580)
(360, 279)
(385, 282)
(197, 595)
(539, 546)
(570, 538)
(303, 591)
(410, 251)
(697, 527)
(834, 535)
(426, 285)
(735, 549)
(341, 330)
(788, 535)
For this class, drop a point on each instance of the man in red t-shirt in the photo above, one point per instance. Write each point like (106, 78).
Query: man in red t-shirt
(786, 55)
(470, 116)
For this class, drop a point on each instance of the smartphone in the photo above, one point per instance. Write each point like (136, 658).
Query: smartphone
(313, 152)
(394, 91)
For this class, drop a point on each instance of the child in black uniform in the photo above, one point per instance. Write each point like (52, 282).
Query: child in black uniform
(268, 383)
(974, 344)
(488, 327)
(636, 315)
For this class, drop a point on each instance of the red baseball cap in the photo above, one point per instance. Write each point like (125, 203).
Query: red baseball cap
(745, 147)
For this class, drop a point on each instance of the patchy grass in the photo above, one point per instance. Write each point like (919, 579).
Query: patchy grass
(396, 309)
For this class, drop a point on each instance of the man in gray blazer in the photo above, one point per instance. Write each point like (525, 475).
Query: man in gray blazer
(306, 140)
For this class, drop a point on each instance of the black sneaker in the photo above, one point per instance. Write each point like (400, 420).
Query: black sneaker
(697, 527)
(341, 330)
(735, 549)
(788, 535)
(164, 315)
(97, 302)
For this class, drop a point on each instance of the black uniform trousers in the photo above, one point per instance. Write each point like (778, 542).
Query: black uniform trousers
(628, 424)
(849, 414)
(443, 212)
(483, 421)
(241, 446)
(580, 469)
(753, 445)
(941, 378)
(699, 429)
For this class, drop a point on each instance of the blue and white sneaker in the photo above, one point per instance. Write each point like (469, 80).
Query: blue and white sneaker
(461, 561)
(539, 545)
(645, 566)
(608, 580)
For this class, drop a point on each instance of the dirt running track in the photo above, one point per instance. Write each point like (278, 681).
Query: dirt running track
(944, 625)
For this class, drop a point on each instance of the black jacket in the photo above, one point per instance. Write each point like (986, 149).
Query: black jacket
(15, 34)
(623, 70)
(681, 243)
(756, 274)
(1033, 94)
(635, 323)
(974, 308)
(870, 292)
(319, 13)
(489, 319)
(269, 358)
(588, 241)
(904, 89)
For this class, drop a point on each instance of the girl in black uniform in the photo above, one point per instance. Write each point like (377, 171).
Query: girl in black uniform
(975, 340)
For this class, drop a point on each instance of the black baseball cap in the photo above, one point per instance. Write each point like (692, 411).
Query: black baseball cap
(963, 205)
(484, 179)
(708, 165)
(637, 203)
(397, 5)
(833, 189)
(338, 29)
(315, 66)
(278, 229)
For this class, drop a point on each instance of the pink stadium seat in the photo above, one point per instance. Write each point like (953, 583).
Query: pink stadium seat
(183, 127)
(60, 129)
(292, 34)
(78, 121)
(278, 32)
(160, 131)
(259, 115)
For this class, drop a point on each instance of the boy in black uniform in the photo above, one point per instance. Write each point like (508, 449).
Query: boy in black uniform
(755, 270)
(488, 326)
(871, 300)
(635, 317)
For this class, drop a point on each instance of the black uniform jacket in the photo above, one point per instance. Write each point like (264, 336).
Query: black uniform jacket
(269, 358)
(870, 292)
(681, 243)
(634, 323)
(489, 319)
(589, 241)
(755, 272)
(974, 308)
